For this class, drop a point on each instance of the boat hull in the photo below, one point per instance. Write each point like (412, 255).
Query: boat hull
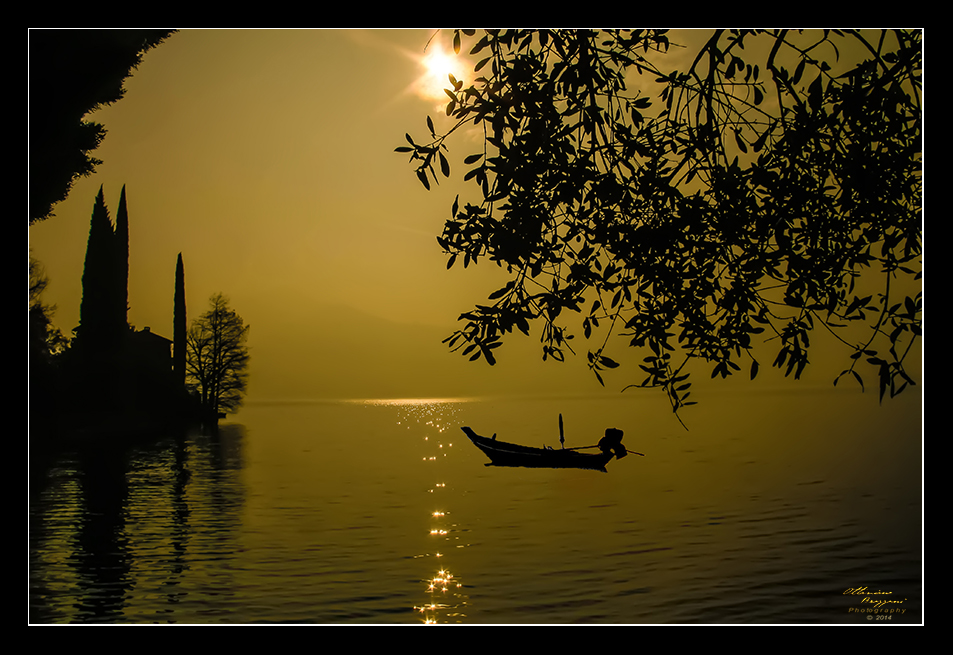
(507, 454)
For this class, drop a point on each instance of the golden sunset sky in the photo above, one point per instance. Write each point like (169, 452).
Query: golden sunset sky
(266, 157)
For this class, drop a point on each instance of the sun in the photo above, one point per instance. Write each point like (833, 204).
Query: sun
(438, 65)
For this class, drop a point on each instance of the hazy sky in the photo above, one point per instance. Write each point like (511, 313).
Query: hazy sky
(267, 159)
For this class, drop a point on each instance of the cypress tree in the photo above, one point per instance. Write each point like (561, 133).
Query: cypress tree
(179, 324)
(120, 309)
(97, 276)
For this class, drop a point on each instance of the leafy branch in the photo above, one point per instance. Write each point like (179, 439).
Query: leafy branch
(692, 210)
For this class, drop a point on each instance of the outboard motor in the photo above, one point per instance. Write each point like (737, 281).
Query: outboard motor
(612, 443)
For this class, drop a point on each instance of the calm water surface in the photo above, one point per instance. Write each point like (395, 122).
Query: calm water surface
(382, 512)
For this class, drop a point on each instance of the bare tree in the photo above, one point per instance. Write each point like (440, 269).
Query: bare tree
(217, 357)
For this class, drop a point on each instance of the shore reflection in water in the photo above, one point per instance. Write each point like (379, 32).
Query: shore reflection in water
(383, 513)
(115, 532)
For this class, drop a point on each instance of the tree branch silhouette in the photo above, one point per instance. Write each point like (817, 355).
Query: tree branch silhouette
(691, 210)
(73, 72)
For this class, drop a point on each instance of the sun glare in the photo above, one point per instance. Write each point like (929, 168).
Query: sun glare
(438, 65)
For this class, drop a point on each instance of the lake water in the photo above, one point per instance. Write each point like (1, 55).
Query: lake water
(767, 510)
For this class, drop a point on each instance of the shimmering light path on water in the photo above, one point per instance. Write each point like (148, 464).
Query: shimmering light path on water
(382, 512)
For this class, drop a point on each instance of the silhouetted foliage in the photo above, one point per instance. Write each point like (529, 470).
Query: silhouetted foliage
(72, 73)
(120, 302)
(98, 272)
(46, 340)
(179, 324)
(103, 308)
(217, 360)
(111, 372)
(46, 343)
(756, 192)
(110, 379)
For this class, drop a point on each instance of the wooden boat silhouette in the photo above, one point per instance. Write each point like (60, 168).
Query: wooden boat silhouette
(508, 454)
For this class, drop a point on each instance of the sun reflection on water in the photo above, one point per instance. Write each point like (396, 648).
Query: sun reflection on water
(438, 586)
(428, 420)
